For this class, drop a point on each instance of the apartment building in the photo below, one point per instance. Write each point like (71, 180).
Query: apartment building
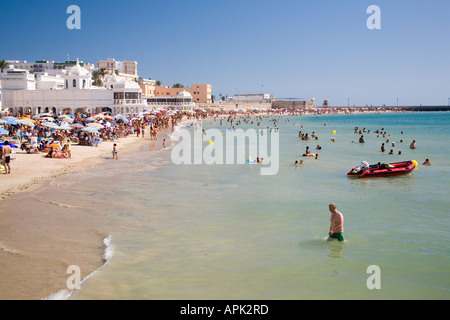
(125, 68)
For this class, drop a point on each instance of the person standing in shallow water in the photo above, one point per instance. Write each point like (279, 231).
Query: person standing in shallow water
(336, 224)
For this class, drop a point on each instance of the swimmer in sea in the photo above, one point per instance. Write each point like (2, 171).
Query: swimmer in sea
(361, 139)
(427, 162)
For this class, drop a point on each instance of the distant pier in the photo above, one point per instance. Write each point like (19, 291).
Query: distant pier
(395, 108)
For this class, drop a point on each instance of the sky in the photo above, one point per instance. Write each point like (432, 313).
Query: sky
(304, 49)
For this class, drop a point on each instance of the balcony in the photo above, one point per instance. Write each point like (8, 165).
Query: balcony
(125, 102)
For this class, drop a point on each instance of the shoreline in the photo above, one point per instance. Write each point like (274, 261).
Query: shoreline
(27, 229)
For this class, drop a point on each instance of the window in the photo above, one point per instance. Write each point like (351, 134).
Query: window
(74, 84)
(84, 84)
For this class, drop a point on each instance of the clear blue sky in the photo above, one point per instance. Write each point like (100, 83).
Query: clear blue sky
(295, 48)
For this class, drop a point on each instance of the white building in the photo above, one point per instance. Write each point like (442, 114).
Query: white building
(252, 98)
(183, 101)
(24, 93)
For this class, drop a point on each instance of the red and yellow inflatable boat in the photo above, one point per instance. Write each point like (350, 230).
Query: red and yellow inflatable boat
(383, 169)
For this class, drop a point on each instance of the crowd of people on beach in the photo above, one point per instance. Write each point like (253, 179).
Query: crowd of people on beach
(53, 136)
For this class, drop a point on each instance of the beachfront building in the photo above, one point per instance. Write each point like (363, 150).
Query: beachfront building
(252, 98)
(201, 93)
(126, 69)
(25, 93)
(294, 103)
(181, 102)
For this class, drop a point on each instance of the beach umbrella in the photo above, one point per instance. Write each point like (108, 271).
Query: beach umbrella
(3, 132)
(2, 122)
(25, 122)
(55, 146)
(95, 124)
(9, 118)
(10, 144)
(47, 119)
(65, 126)
(91, 119)
(46, 114)
(51, 125)
(90, 129)
(77, 126)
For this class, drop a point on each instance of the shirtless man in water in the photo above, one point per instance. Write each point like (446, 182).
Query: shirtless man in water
(337, 224)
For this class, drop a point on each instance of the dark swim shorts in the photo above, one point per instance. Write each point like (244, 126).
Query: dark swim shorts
(338, 236)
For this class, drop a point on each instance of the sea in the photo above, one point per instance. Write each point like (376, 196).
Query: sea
(143, 227)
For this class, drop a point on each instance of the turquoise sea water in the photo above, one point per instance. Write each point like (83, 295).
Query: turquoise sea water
(227, 232)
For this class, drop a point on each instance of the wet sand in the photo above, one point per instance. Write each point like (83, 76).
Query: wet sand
(32, 262)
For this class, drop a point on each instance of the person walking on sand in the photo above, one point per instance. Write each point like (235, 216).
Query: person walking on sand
(336, 224)
(6, 153)
(114, 152)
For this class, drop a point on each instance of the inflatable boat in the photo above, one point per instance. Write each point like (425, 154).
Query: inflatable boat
(383, 169)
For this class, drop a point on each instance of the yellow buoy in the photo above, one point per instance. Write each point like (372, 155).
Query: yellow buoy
(334, 131)
(210, 142)
(415, 164)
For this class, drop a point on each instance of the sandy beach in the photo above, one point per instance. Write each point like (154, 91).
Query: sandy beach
(31, 170)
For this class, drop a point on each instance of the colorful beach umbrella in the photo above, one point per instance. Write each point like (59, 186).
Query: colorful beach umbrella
(55, 146)
(25, 122)
(95, 124)
(47, 119)
(51, 125)
(3, 132)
